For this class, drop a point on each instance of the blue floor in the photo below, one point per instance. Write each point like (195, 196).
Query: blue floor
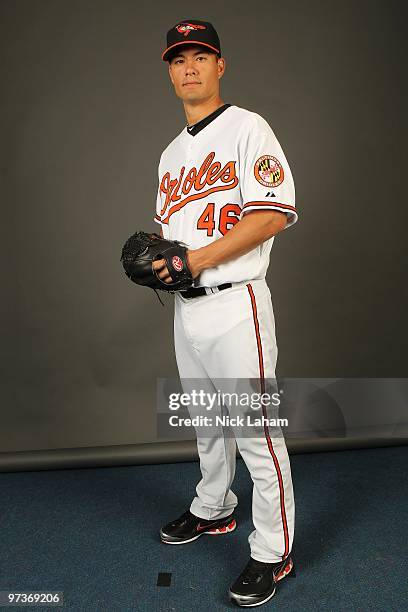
(93, 534)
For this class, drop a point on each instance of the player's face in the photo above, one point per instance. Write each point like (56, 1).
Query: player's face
(195, 73)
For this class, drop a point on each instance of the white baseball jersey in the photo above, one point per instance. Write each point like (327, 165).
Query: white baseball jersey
(210, 178)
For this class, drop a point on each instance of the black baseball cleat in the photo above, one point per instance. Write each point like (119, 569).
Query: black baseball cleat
(257, 582)
(189, 527)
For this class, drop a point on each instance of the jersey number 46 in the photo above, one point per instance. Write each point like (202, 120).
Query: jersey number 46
(228, 217)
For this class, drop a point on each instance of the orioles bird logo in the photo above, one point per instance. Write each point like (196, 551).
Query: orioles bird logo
(186, 28)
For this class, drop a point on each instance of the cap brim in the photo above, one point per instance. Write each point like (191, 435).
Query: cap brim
(165, 54)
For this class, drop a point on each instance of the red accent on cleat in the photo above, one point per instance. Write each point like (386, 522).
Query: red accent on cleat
(285, 571)
(226, 529)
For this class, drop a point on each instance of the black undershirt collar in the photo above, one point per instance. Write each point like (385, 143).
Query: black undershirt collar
(197, 127)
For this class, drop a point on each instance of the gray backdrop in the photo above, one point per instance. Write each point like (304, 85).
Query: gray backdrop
(86, 110)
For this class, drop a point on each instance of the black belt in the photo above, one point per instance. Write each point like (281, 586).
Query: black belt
(196, 291)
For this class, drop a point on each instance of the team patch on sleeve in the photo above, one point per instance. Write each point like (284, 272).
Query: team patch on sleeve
(268, 171)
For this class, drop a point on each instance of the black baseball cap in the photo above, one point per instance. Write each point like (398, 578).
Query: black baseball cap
(189, 32)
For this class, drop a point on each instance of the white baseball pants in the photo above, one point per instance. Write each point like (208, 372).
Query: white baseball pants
(230, 335)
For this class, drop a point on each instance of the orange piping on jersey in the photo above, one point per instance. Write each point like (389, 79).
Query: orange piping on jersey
(270, 204)
(266, 429)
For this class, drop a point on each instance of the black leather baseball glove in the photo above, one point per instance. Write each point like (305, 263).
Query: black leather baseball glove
(139, 252)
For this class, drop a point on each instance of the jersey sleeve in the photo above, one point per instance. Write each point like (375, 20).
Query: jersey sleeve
(265, 176)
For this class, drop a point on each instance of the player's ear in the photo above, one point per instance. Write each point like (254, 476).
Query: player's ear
(171, 76)
(221, 66)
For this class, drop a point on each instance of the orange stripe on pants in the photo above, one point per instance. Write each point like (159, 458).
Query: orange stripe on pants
(266, 430)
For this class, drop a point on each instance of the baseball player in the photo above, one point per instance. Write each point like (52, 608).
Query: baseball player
(226, 190)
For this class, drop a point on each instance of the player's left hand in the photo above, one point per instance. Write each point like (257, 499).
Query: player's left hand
(160, 266)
